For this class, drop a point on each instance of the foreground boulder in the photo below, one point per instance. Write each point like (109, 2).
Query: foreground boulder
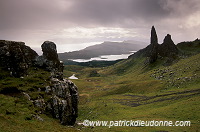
(64, 101)
(16, 57)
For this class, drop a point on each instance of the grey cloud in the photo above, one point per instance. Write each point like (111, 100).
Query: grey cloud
(124, 13)
(116, 12)
(27, 18)
(42, 13)
(28, 14)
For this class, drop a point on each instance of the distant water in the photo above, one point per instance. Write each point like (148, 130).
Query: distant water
(106, 57)
(73, 77)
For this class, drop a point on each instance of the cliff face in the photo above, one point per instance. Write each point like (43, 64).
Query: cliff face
(62, 94)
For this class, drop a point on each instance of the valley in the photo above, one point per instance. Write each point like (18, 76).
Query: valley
(139, 94)
(143, 87)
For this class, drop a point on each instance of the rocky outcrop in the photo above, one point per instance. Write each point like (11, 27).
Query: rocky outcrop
(49, 60)
(153, 51)
(152, 54)
(168, 48)
(61, 98)
(63, 94)
(64, 101)
(154, 38)
(16, 57)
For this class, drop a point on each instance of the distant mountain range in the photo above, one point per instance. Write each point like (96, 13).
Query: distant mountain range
(105, 48)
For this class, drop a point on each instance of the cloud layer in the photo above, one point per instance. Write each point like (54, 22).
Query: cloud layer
(84, 21)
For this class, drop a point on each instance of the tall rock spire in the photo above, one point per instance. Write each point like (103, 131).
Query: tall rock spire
(153, 52)
(154, 38)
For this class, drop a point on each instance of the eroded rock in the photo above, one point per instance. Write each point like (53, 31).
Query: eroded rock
(49, 60)
(64, 102)
(168, 48)
(153, 47)
(154, 51)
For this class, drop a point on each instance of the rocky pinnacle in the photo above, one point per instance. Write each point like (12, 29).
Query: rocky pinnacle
(154, 38)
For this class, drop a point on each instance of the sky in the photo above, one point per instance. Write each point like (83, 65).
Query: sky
(75, 24)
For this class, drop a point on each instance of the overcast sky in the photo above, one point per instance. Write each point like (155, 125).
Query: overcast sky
(74, 24)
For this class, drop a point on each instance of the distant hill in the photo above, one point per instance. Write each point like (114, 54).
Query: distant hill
(105, 48)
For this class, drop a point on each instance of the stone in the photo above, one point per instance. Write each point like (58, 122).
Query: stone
(154, 38)
(168, 48)
(38, 117)
(40, 103)
(153, 53)
(64, 102)
(62, 99)
(49, 59)
(16, 57)
(49, 51)
(27, 96)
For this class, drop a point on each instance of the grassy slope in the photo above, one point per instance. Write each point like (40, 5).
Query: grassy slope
(189, 48)
(15, 109)
(142, 93)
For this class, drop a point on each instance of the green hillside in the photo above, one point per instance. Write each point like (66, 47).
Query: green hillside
(131, 90)
(189, 48)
